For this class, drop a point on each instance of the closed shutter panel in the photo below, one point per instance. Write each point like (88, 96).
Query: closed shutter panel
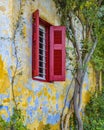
(35, 44)
(57, 53)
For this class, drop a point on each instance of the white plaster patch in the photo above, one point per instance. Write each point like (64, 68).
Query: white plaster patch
(4, 25)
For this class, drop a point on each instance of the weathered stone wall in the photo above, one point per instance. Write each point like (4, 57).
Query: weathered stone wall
(40, 102)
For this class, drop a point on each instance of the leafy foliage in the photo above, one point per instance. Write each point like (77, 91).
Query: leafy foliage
(94, 113)
(16, 122)
(98, 57)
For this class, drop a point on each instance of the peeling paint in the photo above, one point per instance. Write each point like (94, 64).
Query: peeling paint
(4, 86)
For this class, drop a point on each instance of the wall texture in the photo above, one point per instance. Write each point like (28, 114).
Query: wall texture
(40, 102)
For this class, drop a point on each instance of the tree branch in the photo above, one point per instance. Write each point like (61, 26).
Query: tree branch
(76, 46)
(80, 89)
(100, 2)
(81, 21)
(68, 115)
(88, 56)
(66, 97)
(76, 108)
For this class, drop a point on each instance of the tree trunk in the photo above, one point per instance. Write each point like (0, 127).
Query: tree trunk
(76, 99)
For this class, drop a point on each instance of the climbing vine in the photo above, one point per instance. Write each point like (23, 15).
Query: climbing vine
(18, 27)
(16, 121)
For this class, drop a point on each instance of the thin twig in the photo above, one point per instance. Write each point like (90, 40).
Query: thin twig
(15, 51)
(88, 56)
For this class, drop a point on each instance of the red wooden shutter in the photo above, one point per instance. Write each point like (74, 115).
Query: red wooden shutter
(35, 44)
(57, 53)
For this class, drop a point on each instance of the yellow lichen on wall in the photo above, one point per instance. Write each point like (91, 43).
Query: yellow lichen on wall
(3, 112)
(92, 78)
(86, 97)
(90, 86)
(2, 8)
(47, 11)
(24, 31)
(21, 95)
(40, 125)
(4, 79)
(4, 88)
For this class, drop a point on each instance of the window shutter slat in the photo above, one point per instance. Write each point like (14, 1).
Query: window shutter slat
(35, 44)
(57, 53)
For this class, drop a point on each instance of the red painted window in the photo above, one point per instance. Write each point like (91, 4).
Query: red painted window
(48, 50)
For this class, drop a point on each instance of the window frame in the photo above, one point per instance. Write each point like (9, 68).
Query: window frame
(51, 63)
(46, 25)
